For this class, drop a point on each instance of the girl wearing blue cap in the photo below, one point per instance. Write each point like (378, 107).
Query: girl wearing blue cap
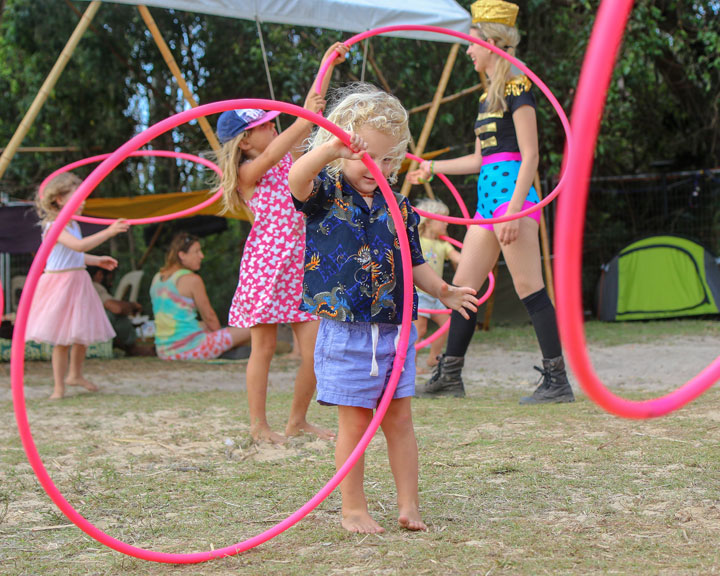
(255, 161)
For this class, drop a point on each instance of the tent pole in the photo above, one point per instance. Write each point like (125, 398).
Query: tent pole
(47, 87)
(545, 245)
(175, 69)
(447, 99)
(365, 54)
(432, 113)
(267, 69)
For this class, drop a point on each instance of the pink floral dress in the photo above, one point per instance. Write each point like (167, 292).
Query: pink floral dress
(271, 271)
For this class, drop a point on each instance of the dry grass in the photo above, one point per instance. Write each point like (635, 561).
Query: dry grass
(504, 489)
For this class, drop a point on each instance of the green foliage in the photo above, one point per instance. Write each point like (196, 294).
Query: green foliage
(662, 102)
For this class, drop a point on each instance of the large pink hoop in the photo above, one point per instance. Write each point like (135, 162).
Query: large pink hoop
(587, 113)
(520, 65)
(445, 327)
(160, 153)
(17, 364)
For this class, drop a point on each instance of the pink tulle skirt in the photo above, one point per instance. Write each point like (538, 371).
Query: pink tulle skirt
(67, 310)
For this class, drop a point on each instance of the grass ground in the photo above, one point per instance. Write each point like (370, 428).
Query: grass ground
(504, 489)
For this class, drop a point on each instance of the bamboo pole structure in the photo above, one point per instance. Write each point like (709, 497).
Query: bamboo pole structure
(432, 112)
(545, 245)
(175, 69)
(447, 99)
(47, 86)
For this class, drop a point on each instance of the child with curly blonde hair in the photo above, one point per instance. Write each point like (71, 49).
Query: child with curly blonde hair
(354, 281)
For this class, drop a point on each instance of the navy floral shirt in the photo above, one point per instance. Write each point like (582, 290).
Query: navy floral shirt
(353, 268)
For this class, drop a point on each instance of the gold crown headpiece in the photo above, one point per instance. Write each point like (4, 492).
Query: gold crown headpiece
(494, 11)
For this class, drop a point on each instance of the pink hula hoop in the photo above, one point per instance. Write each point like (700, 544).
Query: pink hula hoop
(491, 279)
(520, 65)
(445, 327)
(18, 345)
(587, 112)
(153, 219)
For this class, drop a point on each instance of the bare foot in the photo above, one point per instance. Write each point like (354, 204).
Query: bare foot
(410, 519)
(308, 428)
(266, 434)
(56, 395)
(89, 386)
(361, 523)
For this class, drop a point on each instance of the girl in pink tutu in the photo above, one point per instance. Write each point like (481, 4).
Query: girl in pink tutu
(66, 310)
(255, 161)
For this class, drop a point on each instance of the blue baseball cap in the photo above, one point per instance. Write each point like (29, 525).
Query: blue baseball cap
(234, 122)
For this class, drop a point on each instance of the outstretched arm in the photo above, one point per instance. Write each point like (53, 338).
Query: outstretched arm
(455, 297)
(94, 240)
(468, 164)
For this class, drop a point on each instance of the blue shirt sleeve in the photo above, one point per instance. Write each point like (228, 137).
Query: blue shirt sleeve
(413, 220)
(323, 186)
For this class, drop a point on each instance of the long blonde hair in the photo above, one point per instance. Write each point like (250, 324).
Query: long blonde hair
(228, 159)
(181, 242)
(361, 104)
(46, 205)
(433, 206)
(506, 38)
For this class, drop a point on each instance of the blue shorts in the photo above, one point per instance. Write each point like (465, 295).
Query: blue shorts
(344, 361)
(496, 184)
(428, 302)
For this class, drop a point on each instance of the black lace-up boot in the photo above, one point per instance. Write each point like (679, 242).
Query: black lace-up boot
(446, 379)
(554, 385)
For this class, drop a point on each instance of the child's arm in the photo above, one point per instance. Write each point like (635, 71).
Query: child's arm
(107, 262)
(454, 256)
(454, 297)
(469, 164)
(303, 172)
(94, 240)
(289, 140)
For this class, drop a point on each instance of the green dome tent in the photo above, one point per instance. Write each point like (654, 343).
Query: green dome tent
(659, 277)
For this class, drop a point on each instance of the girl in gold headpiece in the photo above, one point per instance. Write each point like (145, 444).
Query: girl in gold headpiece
(506, 159)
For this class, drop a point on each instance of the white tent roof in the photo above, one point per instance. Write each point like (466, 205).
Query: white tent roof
(348, 15)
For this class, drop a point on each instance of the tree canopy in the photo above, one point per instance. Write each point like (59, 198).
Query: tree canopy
(662, 106)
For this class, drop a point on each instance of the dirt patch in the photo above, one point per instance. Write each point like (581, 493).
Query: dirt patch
(661, 365)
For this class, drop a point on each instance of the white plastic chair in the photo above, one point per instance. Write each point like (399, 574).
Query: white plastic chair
(130, 281)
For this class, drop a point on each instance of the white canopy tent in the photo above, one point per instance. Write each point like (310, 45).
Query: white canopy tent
(347, 15)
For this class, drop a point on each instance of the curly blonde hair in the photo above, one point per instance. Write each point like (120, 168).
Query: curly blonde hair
(228, 158)
(433, 206)
(46, 205)
(361, 105)
(506, 38)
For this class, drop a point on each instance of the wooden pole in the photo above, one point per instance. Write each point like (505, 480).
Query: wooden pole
(545, 245)
(447, 99)
(432, 113)
(170, 61)
(47, 87)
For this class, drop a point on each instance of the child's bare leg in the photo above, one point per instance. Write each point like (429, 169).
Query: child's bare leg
(59, 366)
(263, 339)
(75, 373)
(437, 347)
(352, 423)
(305, 334)
(403, 455)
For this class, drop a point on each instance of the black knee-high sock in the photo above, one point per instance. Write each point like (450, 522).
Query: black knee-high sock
(461, 333)
(542, 314)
